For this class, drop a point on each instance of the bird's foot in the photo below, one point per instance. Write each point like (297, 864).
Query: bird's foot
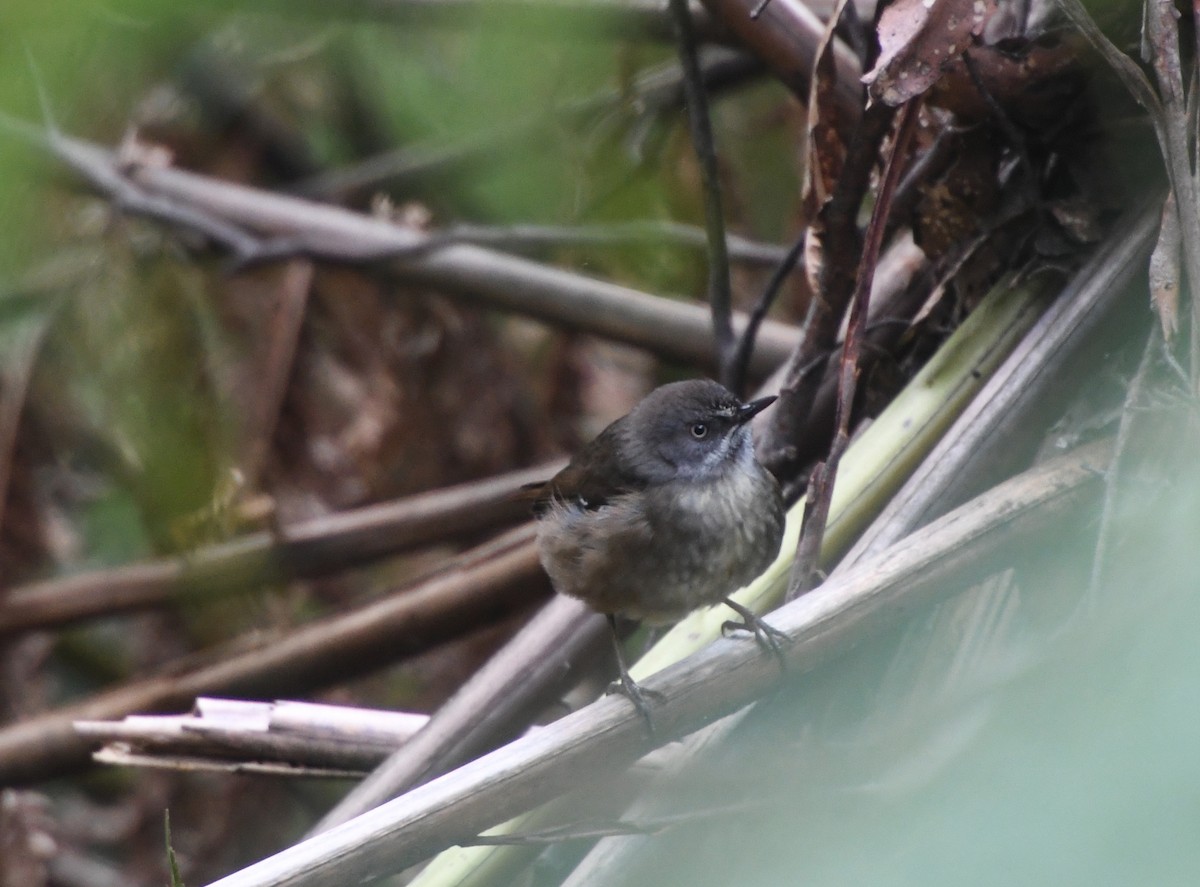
(768, 637)
(627, 686)
(639, 696)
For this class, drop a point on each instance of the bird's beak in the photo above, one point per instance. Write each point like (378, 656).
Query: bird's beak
(748, 411)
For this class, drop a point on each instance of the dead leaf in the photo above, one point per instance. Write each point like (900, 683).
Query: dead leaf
(917, 39)
(828, 128)
(951, 206)
(1033, 82)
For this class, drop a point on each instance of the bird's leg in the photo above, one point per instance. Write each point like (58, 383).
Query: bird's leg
(768, 637)
(626, 685)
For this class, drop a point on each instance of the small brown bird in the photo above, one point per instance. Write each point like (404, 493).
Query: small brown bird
(666, 511)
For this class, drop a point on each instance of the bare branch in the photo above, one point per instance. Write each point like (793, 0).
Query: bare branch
(745, 347)
(232, 734)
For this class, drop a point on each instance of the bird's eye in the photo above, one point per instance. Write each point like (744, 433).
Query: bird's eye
(699, 431)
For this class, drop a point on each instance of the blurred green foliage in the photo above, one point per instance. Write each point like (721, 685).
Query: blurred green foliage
(129, 355)
(93, 59)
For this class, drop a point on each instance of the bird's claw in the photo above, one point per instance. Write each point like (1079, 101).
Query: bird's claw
(639, 696)
(769, 638)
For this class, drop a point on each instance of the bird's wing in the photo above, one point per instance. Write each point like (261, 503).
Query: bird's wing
(594, 477)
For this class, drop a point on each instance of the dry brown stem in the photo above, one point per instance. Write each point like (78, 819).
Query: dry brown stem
(486, 585)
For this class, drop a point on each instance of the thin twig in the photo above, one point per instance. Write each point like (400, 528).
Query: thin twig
(1112, 477)
(808, 550)
(741, 360)
(720, 295)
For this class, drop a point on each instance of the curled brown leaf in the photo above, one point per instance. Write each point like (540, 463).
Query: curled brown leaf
(918, 39)
(827, 125)
(828, 128)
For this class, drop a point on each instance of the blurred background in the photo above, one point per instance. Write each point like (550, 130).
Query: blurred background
(156, 398)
